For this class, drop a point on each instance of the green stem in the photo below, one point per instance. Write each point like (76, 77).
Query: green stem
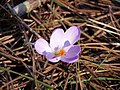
(30, 78)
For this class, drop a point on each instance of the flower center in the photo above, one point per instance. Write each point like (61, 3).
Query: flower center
(60, 52)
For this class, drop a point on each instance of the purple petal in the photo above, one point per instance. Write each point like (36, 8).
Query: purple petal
(66, 43)
(42, 46)
(72, 51)
(72, 34)
(56, 40)
(51, 57)
(70, 60)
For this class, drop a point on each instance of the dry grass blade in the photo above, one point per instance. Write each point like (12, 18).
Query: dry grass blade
(104, 25)
(103, 29)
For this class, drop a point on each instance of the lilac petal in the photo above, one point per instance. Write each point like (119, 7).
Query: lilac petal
(72, 51)
(72, 34)
(56, 40)
(51, 57)
(42, 46)
(70, 60)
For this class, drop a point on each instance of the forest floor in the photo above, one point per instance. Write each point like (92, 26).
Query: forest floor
(98, 67)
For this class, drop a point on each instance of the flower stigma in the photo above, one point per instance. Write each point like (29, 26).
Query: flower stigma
(60, 52)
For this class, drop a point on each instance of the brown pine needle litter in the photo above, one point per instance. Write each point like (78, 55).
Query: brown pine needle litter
(23, 22)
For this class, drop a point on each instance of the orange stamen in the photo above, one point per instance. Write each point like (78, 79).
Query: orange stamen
(61, 52)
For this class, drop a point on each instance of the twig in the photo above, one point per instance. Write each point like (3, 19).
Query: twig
(21, 21)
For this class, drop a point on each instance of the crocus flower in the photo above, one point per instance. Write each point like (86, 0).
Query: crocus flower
(61, 46)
